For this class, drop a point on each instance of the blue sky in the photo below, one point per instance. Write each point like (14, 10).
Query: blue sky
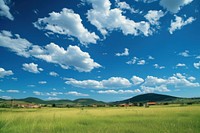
(106, 50)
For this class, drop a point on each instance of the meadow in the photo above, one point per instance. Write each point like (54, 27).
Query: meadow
(155, 119)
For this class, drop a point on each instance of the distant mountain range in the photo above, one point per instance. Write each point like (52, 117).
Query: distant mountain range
(149, 97)
(81, 101)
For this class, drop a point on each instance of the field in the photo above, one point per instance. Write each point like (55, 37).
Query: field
(156, 119)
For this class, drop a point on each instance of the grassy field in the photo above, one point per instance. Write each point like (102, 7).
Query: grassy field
(157, 119)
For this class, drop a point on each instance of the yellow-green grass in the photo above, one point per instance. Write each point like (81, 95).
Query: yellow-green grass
(156, 119)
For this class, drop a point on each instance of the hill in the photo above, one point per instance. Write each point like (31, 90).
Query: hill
(149, 97)
(87, 101)
(32, 100)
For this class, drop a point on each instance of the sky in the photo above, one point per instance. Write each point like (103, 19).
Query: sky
(108, 50)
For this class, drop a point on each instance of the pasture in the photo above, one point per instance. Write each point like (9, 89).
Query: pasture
(156, 119)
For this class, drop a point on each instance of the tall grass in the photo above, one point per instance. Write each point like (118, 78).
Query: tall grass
(157, 119)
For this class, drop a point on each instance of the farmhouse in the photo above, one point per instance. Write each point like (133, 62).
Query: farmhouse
(151, 103)
(28, 106)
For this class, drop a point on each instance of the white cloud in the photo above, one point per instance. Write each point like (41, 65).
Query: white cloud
(141, 62)
(125, 6)
(54, 74)
(53, 98)
(53, 93)
(5, 10)
(113, 82)
(38, 93)
(197, 65)
(73, 57)
(180, 65)
(153, 16)
(107, 19)
(177, 80)
(198, 57)
(178, 23)
(154, 81)
(191, 78)
(158, 67)
(125, 53)
(4, 72)
(68, 23)
(1, 90)
(119, 91)
(85, 83)
(13, 91)
(137, 80)
(42, 82)
(75, 93)
(31, 67)
(151, 57)
(14, 43)
(174, 5)
(6, 97)
(146, 1)
(31, 85)
(132, 61)
(161, 88)
(184, 54)
(116, 82)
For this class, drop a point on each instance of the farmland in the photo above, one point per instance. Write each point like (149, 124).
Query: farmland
(155, 119)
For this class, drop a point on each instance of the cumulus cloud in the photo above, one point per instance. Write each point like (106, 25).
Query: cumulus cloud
(4, 73)
(125, 53)
(146, 1)
(54, 94)
(184, 53)
(137, 80)
(75, 93)
(68, 23)
(38, 93)
(158, 67)
(6, 97)
(197, 65)
(42, 82)
(141, 62)
(119, 91)
(191, 78)
(113, 82)
(161, 88)
(177, 80)
(125, 6)
(180, 65)
(5, 10)
(13, 91)
(154, 16)
(106, 19)
(31, 67)
(178, 23)
(151, 57)
(72, 58)
(152, 84)
(174, 5)
(53, 98)
(132, 61)
(14, 43)
(149, 84)
(54, 74)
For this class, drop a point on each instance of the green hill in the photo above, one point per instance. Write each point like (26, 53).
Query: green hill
(87, 101)
(32, 100)
(149, 97)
